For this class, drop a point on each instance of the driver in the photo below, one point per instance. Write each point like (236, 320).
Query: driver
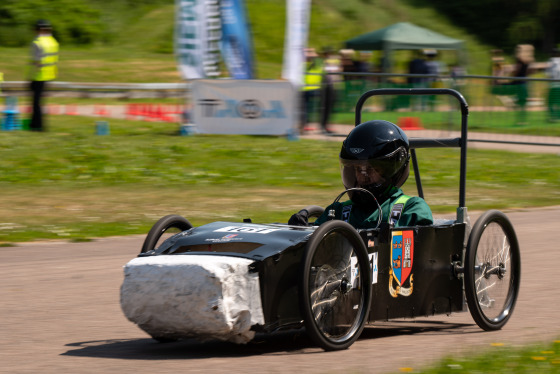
(375, 158)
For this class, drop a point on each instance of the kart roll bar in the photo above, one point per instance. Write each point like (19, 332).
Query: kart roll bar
(430, 142)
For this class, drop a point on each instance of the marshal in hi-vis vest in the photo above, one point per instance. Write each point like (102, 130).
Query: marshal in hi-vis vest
(48, 58)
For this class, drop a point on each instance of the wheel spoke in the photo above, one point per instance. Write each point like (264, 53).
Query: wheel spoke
(492, 276)
(334, 310)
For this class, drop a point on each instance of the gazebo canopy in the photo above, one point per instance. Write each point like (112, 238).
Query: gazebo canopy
(402, 35)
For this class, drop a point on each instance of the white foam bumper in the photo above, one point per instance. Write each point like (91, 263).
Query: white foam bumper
(179, 296)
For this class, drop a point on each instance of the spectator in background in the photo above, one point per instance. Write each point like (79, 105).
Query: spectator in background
(418, 66)
(347, 63)
(313, 76)
(553, 72)
(523, 59)
(434, 67)
(44, 60)
(331, 64)
(553, 69)
(457, 72)
(497, 66)
(361, 64)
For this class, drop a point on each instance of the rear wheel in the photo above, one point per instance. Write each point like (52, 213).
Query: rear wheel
(492, 270)
(335, 286)
(164, 228)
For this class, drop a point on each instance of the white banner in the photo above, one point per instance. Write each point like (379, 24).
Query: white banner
(295, 41)
(197, 38)
(248, 107)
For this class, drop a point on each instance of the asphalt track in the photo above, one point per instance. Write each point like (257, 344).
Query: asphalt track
(60, 313)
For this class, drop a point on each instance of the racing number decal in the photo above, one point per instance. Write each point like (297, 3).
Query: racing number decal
(402, 255)
(247, 229)
(373, 264)
(355, 270)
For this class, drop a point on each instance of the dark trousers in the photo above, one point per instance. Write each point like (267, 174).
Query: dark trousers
(37, 88)
(327, 104)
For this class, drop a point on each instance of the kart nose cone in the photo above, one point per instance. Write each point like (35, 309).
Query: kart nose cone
(180, 296)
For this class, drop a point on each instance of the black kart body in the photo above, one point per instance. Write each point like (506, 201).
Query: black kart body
(277, 251)
(333, 279)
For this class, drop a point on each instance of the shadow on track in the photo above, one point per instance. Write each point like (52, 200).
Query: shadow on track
(279, 343)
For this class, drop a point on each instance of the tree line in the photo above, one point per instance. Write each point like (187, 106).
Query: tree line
(504, 23)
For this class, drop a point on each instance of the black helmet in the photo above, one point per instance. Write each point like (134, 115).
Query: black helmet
(375, 157)
(43, 24)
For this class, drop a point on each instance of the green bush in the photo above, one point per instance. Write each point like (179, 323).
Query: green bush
(79, 23)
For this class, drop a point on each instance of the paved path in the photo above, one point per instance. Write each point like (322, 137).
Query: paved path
(59, 303)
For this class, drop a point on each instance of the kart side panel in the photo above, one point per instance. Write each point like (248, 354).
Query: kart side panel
(432, 287)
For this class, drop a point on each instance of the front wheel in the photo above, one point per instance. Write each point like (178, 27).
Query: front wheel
(335, 286)
(163, 228)
(492, 270)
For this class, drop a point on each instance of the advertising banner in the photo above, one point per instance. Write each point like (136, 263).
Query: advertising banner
(297, 30)
(197, 37)
(237, 48)
(248, 107)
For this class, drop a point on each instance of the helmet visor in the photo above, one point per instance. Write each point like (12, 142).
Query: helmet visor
(361, 173)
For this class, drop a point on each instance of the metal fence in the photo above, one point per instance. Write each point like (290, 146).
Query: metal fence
(101, 90)
(487, 94)
(495, 103)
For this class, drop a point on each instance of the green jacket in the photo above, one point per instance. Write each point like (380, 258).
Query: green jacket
(415, 212)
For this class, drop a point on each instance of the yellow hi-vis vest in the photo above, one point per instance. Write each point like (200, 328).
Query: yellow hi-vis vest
(47, 69)
(313, 77)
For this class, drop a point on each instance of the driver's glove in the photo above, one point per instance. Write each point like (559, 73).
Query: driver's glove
(300, 218)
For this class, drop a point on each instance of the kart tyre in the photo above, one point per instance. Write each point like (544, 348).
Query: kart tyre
(492, 270)
(335, 286)
(164, 224)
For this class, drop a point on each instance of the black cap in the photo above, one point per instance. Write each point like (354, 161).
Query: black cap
(43, 24)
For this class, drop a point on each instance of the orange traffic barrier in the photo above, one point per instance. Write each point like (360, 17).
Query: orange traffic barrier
(71, 110)
(410, 123)
(101, 111)
(53, 109)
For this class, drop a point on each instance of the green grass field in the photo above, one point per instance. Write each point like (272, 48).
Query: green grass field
(500, 358)
(70, 183)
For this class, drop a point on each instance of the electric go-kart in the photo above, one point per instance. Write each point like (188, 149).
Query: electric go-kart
(229, 280)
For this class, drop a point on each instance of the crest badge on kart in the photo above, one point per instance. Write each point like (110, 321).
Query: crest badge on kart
(402, 254)
(356, 150)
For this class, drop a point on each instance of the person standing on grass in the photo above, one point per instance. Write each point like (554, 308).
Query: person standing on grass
(44, 60)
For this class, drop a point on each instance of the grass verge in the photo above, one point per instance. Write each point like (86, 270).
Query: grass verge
(538, 358)
(70, 183)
